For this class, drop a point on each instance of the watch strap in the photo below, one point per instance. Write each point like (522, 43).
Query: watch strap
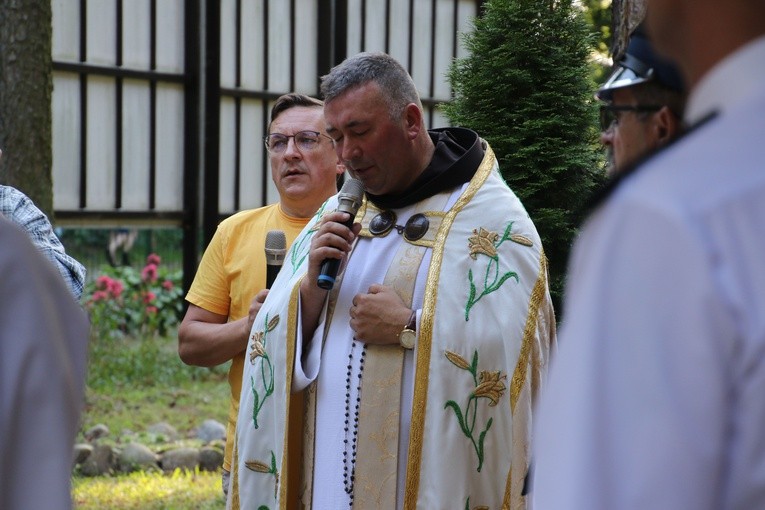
(412, 324)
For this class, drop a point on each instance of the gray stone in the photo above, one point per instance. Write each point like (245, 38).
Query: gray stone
(210, 459)
(183, 458)
(126, 433)
(96, 459)
(81, 452)
(137, 457)
(96, 432)
(210, 430)
(99, 462)
(164, 430)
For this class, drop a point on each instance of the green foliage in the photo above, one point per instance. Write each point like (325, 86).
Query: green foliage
(179, 490)
(130, 363)
(184, 406)
(123, 301)
(598, 15)
(526, 89)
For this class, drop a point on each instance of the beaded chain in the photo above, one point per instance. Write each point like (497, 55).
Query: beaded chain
(349, 459)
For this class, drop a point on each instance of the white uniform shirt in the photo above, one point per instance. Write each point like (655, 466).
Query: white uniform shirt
(656, 399)
(43, 346)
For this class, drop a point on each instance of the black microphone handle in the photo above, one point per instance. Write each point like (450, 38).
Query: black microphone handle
(271, 271)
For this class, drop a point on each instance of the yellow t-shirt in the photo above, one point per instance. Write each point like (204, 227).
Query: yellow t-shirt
(232, 271)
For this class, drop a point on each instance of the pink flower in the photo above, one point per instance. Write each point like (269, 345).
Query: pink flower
(116, 288)
(149, 273)
(167, 285)
(99, 295)
(153, 258)
(151, 310)
(103, 282)
(149, 297)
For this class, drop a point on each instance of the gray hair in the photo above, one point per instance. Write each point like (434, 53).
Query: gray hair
(397, 87)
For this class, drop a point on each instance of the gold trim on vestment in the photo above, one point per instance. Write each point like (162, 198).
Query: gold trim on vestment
(309, 445)
(529, 331)
(376, 463)
(234, 480)
(529, 334)
(292, 321)
(425, 333)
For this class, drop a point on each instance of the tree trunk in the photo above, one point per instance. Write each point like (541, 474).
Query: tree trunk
(627, 14)
(25, 99)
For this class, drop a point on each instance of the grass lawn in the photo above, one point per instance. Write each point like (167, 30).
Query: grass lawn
(135, 383)
(149, 491)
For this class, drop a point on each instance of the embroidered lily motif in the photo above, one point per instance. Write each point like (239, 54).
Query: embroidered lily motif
(258, 349)
(258, 352)
(482, 241)
(485, 242)
(262, 467)
(489, 385)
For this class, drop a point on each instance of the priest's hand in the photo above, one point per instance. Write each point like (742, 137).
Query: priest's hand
(332, 240)
(378, 316)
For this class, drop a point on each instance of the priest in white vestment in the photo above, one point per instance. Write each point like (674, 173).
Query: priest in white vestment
(421, 365)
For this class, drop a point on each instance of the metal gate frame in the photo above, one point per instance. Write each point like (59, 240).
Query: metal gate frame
(201, 81)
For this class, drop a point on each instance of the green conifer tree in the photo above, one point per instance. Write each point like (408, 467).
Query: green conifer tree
(526, 88)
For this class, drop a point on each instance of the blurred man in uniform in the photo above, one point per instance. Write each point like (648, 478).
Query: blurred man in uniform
(642, 104)
(655, 399)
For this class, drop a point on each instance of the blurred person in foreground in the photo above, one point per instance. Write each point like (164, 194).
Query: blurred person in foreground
(642, 104)
(19, 209)
(43, 350)
(229, 286)
(421, 365)
(656, 396)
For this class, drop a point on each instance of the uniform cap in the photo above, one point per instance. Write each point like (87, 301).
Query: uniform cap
(640, 64)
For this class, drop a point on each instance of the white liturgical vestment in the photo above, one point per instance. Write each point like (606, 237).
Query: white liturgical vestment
(485, 329)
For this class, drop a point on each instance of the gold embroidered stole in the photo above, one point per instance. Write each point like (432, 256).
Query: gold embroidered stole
(376, 464)
(378, 430)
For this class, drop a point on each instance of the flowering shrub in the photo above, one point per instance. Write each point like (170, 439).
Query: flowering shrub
(126, 302)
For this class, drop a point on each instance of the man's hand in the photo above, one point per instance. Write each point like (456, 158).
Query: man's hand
(378, 316)
(257, 302)
(331, 241)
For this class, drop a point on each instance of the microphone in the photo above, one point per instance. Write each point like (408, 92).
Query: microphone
(349, 201)
(276, 248)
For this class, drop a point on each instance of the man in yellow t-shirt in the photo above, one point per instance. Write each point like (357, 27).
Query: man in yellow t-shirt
(229, 286)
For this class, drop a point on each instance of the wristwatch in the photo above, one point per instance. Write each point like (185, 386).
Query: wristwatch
(408, 335)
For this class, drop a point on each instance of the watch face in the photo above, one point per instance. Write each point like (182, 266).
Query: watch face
(407, 338)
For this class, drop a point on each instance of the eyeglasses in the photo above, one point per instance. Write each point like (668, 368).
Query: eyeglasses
(609, 113)
(276, 143)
